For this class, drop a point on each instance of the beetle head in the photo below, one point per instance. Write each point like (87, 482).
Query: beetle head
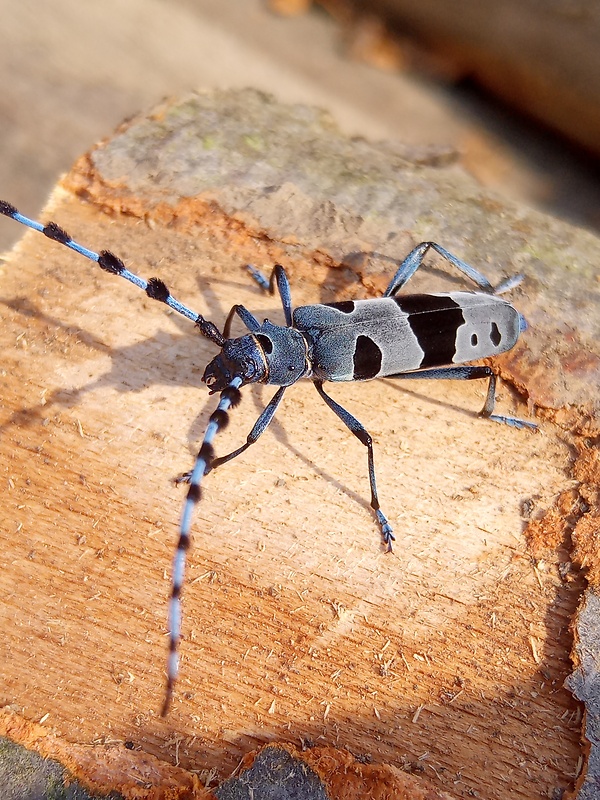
(239, 357)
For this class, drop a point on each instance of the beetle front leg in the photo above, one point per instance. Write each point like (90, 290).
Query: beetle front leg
(247, 318)
(259, 428)
(279, 277)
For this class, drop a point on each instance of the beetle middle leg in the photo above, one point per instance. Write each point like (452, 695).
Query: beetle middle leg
(363, 435)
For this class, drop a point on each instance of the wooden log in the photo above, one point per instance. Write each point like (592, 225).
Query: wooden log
(447, 657)
(540, 59)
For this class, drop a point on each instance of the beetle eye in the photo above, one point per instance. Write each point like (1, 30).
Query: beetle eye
(266, 343)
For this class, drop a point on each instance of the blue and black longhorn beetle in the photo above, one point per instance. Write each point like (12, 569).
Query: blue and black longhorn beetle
(406, 336)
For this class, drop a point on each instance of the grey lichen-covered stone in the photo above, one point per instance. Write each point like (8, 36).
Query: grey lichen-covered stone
(274, 775)
(585, 685)
(25, 775)
(289, 174)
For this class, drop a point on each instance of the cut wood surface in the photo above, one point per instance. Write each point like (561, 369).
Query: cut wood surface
(446, 657)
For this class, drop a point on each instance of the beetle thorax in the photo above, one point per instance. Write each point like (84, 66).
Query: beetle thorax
(286, 353)
(273, 354)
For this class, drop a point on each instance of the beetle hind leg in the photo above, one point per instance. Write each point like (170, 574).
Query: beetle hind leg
(490, 402)
(469, 373)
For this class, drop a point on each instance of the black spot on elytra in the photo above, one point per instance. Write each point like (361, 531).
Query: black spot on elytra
(367, 359)
(425, 303)
(495, 335)
(345, 306)
(434, 320)
(474, 340)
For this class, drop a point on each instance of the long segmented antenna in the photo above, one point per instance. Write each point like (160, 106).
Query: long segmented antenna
(219, 419)
(109, 262)
(156, 289)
